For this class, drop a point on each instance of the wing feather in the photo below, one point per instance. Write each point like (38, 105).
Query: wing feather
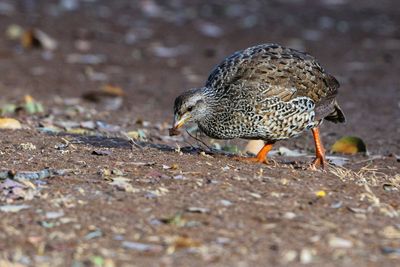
(274, 70)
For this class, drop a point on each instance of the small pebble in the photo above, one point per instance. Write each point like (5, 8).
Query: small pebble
(289, 256)
(54, 214)
(198, 210)
(141, 246)
(289, 215)
(391, 251)
(306, 256)
(225, 202)
(337, 242)
(336, 204)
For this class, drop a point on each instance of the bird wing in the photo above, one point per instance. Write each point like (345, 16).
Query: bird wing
(270, 70)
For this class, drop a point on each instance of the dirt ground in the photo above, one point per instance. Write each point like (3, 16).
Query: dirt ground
(170, 201)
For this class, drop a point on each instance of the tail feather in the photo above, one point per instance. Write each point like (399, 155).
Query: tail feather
(337, 115)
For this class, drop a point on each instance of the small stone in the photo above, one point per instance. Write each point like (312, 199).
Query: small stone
(289, 256)
(93, 234)
(226, 168)
(337, 242)
(306, 256)
(179, 177)
(223, 240)
(390, 188)
(357, 210)
(289, 215)
(198, 210)
(336, 204)
(225, 202)
(255, 195)
(391, 251)
(27, 146)
(123, 184)
(142, 247)
(54, 214)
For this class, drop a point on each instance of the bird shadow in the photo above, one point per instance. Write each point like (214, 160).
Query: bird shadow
(102, 141)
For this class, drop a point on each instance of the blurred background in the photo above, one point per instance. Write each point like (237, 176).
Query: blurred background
(153, 50)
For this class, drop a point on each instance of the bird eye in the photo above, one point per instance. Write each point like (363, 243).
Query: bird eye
(190, 108)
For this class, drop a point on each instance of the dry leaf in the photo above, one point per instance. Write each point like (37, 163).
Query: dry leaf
(137, 135)
(185, 242)
(37, 38)
(79, 131)
(390, 232)
(173, 131)
(349, 145)
(9, 123)
(181, 242)
(31, 105)
(108, 96)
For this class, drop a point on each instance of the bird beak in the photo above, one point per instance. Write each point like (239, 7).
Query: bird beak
(178, 122)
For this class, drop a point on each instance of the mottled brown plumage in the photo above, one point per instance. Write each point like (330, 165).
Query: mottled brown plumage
(266, 92)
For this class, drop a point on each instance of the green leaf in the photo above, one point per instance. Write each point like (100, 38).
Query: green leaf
(32, 106)
(8, 108)
(97, 260)
(230, 148)
(175, 220)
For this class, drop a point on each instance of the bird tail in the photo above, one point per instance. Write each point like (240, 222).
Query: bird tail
(337, 114)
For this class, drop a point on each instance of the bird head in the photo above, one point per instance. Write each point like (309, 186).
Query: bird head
(191, 106)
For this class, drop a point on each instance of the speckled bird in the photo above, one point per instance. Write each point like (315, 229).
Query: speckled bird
(266, 92)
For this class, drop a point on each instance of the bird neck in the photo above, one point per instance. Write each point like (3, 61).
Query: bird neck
(212, 106)
(210, 96)
(206, 92)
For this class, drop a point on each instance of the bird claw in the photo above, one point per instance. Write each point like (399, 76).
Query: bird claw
(318, 163)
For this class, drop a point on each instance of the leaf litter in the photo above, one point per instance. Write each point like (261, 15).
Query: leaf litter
(349, 145)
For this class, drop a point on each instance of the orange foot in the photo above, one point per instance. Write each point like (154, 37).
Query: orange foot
(319, 161)
(261, 156)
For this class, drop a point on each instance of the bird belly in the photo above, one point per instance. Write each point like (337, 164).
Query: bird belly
(279, 129)
(277, 120)
(284, 120)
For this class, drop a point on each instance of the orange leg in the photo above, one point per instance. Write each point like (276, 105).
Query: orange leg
(319, 160)
(261, 156)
